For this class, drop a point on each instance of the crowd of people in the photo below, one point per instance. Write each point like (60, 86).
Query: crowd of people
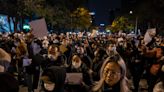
(73, 63)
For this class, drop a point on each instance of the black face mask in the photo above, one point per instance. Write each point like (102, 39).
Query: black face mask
(5, 64)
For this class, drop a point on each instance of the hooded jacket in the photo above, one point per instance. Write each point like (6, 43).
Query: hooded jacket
(56, 75)
(8, 83)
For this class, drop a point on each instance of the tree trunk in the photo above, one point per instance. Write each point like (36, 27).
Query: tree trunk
(21, 23)
(15, 20)
(8, 17)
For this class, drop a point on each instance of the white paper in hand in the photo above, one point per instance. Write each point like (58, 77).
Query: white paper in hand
(39, 28)
(149, 34)
(74, 78)
(26, 62)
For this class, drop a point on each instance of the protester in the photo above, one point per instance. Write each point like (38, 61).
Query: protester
(7, 82)
(113, 76)
(153, 57)
(32, 70)
(78, 66)
(99, 56)
(53, 58)
(86, 56)
(53, 79)
(159, 86)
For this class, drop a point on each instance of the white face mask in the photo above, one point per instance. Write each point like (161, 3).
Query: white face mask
(52, 57)
(16, 43)
(76, 65)
(49, 87)
(121, 43)
(113, 48)
(158, 43)
(45, 44)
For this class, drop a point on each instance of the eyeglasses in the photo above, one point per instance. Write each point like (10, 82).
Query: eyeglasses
(75, 60)
(111, 73)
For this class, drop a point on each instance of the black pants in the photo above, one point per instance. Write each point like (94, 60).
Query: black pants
(137, 70)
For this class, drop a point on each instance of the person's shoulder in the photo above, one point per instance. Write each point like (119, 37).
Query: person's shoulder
(8, 79)
(6, 75)
(158, 87)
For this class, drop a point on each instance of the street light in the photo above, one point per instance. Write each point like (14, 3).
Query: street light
(91, 13)
(92, 21)
(136, 22)
(130, 12)
(92, 16)
(102, 24)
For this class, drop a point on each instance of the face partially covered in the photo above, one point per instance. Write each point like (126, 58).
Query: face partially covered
(49, 86)
(76, 61)
(111, 47)
(112, 73)
(53, 52)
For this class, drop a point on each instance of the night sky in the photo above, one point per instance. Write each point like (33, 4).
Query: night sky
(102, 8)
